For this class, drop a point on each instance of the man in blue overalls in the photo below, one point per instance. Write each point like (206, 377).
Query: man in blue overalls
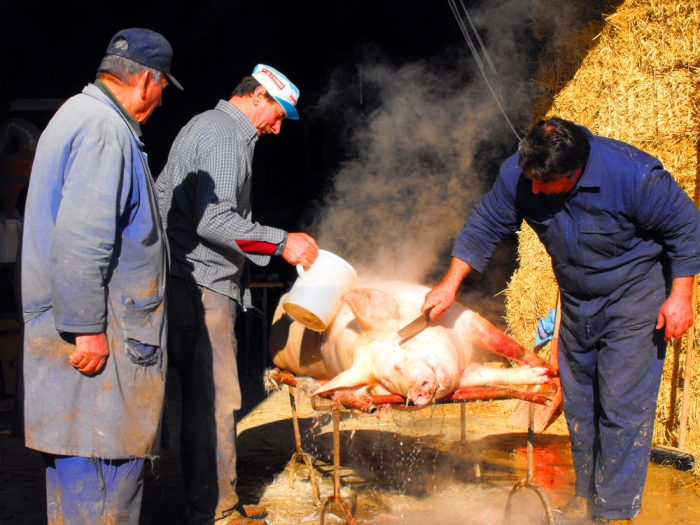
(619, 230)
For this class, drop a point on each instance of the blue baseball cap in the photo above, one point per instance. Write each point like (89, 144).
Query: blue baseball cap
(146, 47)
(279, 87)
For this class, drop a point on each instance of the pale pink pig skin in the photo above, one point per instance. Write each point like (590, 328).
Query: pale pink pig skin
(360, 350)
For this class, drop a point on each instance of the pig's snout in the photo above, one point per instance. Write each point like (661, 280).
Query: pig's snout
(422, 392)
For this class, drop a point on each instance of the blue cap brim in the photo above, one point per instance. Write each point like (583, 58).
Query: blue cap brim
(175, 82)
(289, 109)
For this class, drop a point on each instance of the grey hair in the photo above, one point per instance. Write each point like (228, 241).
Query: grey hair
(125, 69)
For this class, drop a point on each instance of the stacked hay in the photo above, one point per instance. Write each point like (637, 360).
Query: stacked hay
(630, 71)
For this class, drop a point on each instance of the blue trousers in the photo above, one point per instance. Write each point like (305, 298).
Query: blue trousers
(93, 492)
(611, 361)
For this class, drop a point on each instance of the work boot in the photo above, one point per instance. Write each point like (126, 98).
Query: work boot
(244, 515)
(576, 512)
(238, 519)
(251, 511)
(603, 521)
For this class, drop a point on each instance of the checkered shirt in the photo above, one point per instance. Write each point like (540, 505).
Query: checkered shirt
(204, 194)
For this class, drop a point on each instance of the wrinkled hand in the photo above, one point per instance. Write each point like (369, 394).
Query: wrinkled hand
(676, 313)
(300, 249)
(90, 354)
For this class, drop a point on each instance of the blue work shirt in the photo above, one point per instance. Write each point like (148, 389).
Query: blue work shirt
(623, 220)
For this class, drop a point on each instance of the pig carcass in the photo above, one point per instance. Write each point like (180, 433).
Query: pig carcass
(360, 350)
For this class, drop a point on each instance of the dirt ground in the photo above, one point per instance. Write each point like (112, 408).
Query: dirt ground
(397, 467)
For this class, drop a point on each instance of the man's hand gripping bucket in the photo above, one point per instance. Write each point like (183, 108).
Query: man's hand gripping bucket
(315, 297)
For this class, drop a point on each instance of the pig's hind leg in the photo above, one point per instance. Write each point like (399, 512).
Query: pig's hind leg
(471, 327)
(476, 374)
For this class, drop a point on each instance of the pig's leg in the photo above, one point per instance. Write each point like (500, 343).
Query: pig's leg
(476, 374)
(357, 375)
(480, 332)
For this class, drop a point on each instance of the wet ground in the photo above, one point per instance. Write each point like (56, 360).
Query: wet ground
(398, 467)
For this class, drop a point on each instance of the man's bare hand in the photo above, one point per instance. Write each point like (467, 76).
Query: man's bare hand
(676, 313)
(443, 295)
(300, 249)
(439, 299)
(90, 354)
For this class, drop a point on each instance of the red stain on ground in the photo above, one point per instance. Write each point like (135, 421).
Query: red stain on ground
(551, 465)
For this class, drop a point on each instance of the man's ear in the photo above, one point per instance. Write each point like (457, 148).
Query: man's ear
(258, 95)
(144, 80)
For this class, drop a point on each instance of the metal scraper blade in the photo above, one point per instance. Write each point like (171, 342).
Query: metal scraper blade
(415, 326)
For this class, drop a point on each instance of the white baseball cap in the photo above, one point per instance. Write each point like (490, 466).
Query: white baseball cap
(279, 87)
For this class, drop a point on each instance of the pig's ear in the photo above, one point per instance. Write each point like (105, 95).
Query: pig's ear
(373, 308)
(354, 376)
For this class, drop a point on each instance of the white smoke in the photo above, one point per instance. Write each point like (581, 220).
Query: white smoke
(419, 159)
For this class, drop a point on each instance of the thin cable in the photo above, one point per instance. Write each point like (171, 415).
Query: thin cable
(487, 56)
(479, 62)
(463, 28)
(478, 38)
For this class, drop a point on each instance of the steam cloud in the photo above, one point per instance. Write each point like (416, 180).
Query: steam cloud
(426, 150)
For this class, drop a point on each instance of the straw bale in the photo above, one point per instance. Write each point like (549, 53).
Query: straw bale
(633, 74)
(549, 24)
(532, 290)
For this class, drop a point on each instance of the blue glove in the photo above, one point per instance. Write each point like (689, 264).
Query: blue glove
(545, 328)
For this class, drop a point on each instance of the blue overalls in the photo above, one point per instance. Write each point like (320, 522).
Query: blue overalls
(610, 363)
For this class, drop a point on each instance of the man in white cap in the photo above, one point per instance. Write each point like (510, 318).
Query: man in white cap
(204, 197)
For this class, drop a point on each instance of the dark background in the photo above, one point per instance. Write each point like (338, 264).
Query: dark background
(51, 50)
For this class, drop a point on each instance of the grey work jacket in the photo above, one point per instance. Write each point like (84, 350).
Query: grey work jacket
(94, 259)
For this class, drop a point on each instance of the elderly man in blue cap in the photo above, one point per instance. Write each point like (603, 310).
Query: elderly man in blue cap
(204, 197)
(94, 266)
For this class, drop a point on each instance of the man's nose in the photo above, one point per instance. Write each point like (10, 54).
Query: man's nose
(277, 127)
(537, 187)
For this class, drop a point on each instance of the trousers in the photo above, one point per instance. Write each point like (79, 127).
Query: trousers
(202, 346)
(85, 491)
(610, 363)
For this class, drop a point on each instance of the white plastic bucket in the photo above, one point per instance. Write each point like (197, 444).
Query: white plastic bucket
(315, 297)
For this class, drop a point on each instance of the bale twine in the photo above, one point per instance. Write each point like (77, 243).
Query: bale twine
(631, 73)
